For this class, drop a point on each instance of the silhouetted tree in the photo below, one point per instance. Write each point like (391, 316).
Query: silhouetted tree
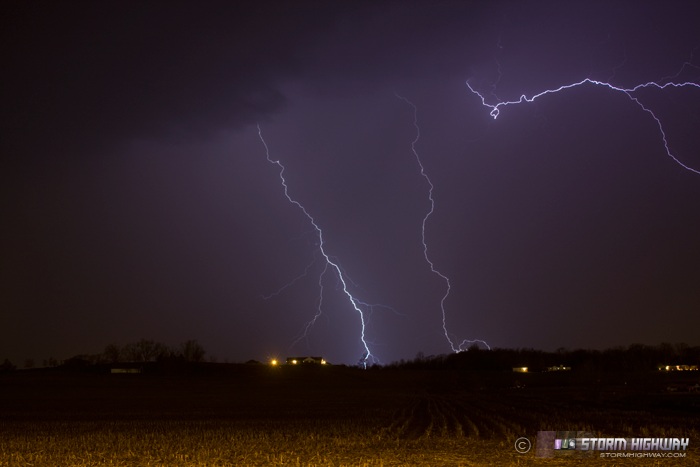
(112, 353)
(129, 353)
(147, 351)
(667, 352)
(192, 351)
(79, 362)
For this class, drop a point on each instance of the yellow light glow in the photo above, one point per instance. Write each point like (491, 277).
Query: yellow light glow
(273, 362)
(294, 362)
(323, 362)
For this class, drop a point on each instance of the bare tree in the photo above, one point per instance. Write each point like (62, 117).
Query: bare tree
(192, 351)
(145, 350)
(112, 353)
(129, 353)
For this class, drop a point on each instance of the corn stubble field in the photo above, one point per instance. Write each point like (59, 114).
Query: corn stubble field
(258, 415)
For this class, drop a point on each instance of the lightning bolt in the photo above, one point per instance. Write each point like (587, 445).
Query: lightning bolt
(330, 264)
(629, 92)
(448, 286)
(292, 282)
(319, 307)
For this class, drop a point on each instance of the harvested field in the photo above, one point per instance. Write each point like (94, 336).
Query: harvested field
(329, 416)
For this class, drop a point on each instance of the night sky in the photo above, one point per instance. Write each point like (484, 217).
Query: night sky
(137, 201)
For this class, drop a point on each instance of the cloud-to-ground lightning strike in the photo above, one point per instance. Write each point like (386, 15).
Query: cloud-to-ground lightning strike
(629, 92)
(321, 246)
(431, 187)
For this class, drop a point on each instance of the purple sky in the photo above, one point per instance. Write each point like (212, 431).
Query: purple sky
(137, 201)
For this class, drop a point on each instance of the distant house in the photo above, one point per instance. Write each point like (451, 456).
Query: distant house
(683, 387)
(126, 368)
(118, 371)
(559, 368)
(520, 369)
(678, 368)
(305, 361)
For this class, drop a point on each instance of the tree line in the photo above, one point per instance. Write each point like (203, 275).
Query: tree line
(636, 357)
(142, 351)
(150, 351)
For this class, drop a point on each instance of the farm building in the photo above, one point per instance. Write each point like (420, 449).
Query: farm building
(305, 361)
(559, 368)
(678, 368)
(117, 371)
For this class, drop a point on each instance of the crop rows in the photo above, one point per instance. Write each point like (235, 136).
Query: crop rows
(294, 422)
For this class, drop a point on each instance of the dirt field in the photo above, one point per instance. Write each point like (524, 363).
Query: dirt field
(258, 415)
